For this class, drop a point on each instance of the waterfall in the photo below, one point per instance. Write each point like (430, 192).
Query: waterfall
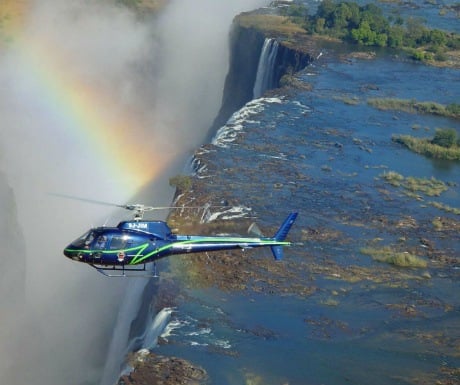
(205, 77)
(265, 69)
(156, 328)
(121, 344)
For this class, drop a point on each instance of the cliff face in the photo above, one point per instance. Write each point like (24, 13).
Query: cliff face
(246, 44)
(245, 48)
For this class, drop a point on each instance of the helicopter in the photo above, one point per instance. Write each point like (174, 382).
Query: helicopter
(133, 244)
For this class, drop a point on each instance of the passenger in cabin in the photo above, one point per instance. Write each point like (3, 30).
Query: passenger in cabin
(100, 244)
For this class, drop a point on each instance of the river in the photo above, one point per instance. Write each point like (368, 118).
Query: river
(331, 313)
(91, 107)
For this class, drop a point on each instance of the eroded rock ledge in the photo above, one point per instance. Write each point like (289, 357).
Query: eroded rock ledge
(150, 368)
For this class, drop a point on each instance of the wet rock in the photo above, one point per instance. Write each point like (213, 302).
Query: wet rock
(149, 369)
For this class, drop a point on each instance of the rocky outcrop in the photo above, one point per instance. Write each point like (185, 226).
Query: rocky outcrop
(150, 368)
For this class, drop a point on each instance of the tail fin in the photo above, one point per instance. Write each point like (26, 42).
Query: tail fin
(281, 235)
(277, 252)
(285, 227)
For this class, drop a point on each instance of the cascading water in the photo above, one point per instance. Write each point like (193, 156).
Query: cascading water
(156, 328)
(120, 343)
(125, 338)
(265, 72)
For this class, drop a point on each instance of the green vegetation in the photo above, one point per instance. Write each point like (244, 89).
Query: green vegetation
(393, 178)
(445, 138)
(269, 23)
(330, 302)
(444, 144)
(430, 187)
(437, 224)
(388, 255)
(351, 101)
(181, 182)
(446, 208)
(413, 187)
(451, 110)
(366, 25)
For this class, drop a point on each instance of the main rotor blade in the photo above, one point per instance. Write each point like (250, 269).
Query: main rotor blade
(87, 200)
(132, 207)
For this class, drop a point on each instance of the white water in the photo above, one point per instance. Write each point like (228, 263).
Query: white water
(264, 77)
(156, 328)
(149, 340)
(228, 133)
(120, 344)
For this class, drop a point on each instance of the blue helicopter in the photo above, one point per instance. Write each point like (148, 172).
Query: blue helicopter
(129, 247)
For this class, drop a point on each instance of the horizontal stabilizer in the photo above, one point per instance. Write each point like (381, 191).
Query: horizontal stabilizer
(255, 230)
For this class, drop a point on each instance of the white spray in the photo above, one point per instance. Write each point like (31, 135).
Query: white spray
(191, 42)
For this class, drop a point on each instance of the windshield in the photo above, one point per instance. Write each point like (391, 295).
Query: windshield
(84, 241)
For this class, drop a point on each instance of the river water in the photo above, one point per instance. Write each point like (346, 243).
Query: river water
(344, 317)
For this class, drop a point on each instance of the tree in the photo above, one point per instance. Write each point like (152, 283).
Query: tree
(326, 9)
(297, 10)
(298, 14)
(415, 30)
(396, 36)
(346, 15)
(381, 40)
(374, 16)
(445, 137)
(437, 37)
(364, 35)
(367, 25)
(320, 24)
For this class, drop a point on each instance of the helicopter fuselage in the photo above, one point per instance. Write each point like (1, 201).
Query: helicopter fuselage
(135, 242)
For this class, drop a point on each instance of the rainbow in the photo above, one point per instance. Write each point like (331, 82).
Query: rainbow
(86, 115)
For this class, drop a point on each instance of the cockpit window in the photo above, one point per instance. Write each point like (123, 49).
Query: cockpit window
(84, 241)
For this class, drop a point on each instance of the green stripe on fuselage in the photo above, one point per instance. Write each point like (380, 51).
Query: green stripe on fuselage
(257, 241)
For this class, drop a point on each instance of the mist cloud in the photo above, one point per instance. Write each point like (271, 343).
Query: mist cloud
(167, 76)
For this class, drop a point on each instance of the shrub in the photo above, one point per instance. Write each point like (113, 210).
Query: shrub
(388, 255)
(453, 109)
(393, 178)
(181, 182)
(425, 147)
(445, 137)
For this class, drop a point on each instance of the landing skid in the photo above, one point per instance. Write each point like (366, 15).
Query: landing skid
(127, 271)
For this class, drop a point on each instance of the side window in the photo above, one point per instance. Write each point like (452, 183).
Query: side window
(118, 243)
(101, 242)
